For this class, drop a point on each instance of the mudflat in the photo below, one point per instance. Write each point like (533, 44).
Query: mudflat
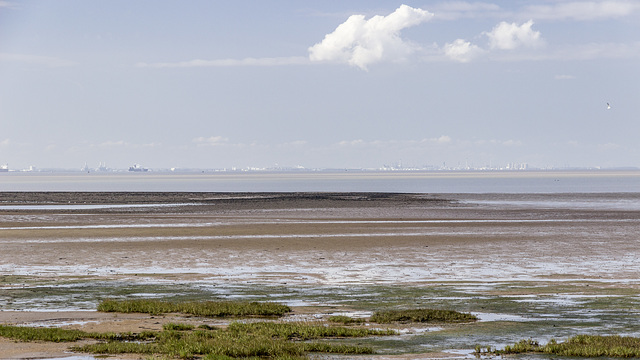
(303, 239)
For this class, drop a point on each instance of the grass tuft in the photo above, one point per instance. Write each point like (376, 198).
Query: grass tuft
(197, 308)
(581, 346)
(261, 340)
(24, 333)
(421, 315)
(346, 320)
(177, 327)
(303, 331)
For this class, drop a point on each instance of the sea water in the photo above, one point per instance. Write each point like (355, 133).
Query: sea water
(494, 182)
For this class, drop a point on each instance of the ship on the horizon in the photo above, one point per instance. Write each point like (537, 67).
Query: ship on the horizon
(4, 168)
(137, 168)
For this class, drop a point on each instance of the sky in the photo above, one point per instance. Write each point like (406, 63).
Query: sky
(319, 84)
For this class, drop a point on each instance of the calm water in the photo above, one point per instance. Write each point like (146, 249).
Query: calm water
(536, 182)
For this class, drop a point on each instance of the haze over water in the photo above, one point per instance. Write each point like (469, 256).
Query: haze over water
(536, 182)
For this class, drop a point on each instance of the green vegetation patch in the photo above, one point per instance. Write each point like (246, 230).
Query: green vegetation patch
(40, 334)
(421, 316)
(581, 346)
(196, 308)
(346, 320)
(303, 331)
(255, 340)
(25, 333)
(259, 340)
(178, 327)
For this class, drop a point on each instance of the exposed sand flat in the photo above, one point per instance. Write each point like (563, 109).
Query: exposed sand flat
(316, 239)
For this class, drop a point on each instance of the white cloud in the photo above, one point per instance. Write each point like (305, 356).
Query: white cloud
(358, 142)
(362, 42)
(295, 143)
(461, 50)
(497, 142)
(609, 146)
(443, 139)
(387, 144)
(113, 143)
(583, 10)
(512, 143)
(124, 144)
(210, 141)
(271, 61)
(507, 36)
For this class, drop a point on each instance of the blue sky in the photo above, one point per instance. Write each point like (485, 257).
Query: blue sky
(331, 84)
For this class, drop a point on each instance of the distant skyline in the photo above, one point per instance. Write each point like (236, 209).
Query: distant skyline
(357, 84)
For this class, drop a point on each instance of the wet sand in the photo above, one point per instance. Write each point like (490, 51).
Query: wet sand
(309, 239)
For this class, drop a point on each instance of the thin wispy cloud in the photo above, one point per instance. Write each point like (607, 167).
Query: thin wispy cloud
(111, 143)
(609, 146)
(444, 139)
(266, 61)
(557, 11)
(564, 77)
(599, 51)
(583, 10)
(125, 144)
(37, 60)
(211, 141)
(295, 143)
(577, 52)
(456, 10)
(7, 4)
(440, 141)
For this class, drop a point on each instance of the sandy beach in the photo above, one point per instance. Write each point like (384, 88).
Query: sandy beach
(303, 239)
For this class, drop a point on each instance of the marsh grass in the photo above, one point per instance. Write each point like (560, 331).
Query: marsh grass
(256, 340)
(23, 333)
(581, 346)
(177, 327)
(196, 308)
(303, 331)
(239, 340)
(206, 327)
(346, 320)
(421, 316)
